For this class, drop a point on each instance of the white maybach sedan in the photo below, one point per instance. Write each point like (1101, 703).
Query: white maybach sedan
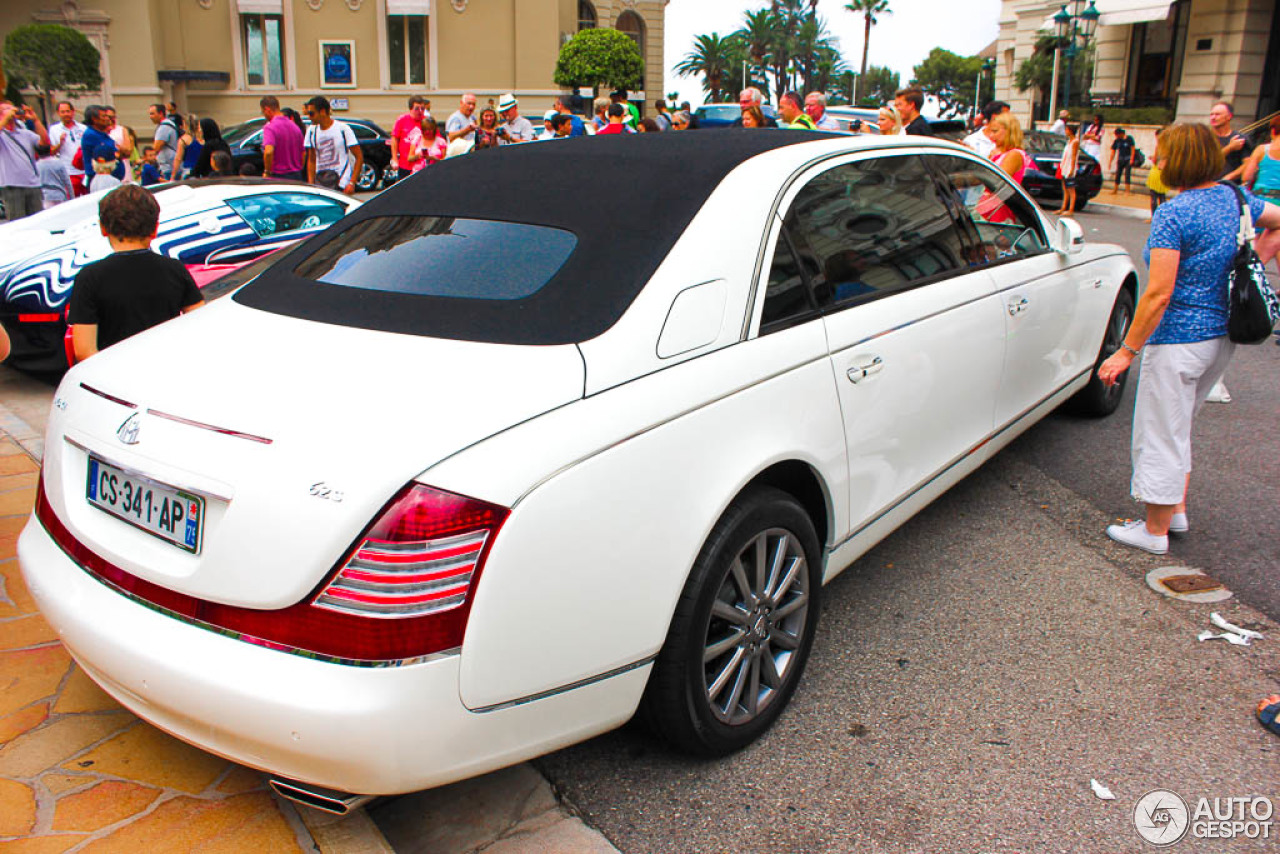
(546, 436)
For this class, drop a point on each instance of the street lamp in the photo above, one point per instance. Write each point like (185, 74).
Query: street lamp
(1074, 30)
(987, 65)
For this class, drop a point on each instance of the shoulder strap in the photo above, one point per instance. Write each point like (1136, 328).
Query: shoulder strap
(1246, 234)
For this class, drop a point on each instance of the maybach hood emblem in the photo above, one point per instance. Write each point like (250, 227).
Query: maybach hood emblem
(128, 432)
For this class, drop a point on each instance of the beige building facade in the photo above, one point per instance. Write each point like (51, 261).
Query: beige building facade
(219, 57)
(1183, 55)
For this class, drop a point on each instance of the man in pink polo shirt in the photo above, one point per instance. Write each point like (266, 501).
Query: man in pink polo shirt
(418, 109)
(281, 143)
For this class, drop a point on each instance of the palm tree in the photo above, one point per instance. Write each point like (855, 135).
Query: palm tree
(869, 9)
(758, 37)
(715, 59)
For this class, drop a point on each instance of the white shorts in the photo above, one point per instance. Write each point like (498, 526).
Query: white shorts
(1172, 384)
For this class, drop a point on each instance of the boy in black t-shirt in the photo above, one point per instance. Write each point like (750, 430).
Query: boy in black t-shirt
(133, 288)
(1122, 156)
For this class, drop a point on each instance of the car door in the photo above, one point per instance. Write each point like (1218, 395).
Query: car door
(915, 340)
(1044, 297)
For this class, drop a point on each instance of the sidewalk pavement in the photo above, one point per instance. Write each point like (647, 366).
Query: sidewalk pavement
(80, 773)
(1136, 204)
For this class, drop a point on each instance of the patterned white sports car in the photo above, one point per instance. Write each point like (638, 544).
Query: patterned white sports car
(211, 223)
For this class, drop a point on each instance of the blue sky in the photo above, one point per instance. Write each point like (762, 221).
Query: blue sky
(900, 40)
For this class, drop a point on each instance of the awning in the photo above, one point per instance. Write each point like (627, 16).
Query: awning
(1119, 12)
(408, 7)
(260, 7)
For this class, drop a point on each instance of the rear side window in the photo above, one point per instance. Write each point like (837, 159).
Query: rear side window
(867, 229)
(442, 257)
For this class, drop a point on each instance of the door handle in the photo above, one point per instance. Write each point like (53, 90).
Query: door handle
(1018, 305)
(865, 368)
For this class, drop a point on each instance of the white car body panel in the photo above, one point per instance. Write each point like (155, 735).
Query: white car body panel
(616, 457)
(261, 494)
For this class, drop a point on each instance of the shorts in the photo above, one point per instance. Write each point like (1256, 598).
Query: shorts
(1173, 381)
(1069, 183)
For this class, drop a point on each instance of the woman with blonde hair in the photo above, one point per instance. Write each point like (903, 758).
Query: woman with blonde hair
(889, 121)
(1005, 133)
(1180, 327)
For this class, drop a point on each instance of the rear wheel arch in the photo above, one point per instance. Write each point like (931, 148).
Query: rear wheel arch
(799, 480)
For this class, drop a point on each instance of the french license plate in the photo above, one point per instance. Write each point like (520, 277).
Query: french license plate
(172, 515)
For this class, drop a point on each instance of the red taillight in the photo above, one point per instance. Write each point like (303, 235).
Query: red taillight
(421, 557)
(39, 318)
(1097, 168)
(404, 591)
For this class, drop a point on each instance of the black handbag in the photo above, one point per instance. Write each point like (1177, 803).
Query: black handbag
(1252, 306)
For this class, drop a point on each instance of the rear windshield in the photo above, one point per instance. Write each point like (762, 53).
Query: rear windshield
(441, 256)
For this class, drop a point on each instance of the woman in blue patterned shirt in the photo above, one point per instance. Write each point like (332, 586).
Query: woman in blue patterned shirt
(1181, 320)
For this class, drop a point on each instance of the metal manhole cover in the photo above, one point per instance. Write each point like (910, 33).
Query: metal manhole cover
(1188, 584)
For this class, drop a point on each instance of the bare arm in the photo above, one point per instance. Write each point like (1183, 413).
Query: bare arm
(268, 156)
(193, 307)
(358, 154)
(1251, 166)
(1146, 317)
(311, 165)
(4, 344)
(84, 340)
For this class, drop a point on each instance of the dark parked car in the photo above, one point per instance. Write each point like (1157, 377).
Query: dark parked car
(245, 141)
(952, 129)
(1041, 179)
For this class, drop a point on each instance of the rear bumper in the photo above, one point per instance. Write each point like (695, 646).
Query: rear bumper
(38, 345)
(366, 730)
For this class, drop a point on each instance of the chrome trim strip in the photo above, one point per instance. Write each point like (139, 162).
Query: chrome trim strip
(250, 639)
(225, 431)
(109, 397)
(133, 471)
(581, 683)
(955, 462)
(665, 421)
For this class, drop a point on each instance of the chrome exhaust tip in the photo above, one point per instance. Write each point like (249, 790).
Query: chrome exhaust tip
(318, 797)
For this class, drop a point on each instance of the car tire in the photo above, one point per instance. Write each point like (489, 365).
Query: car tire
(1096, 400)
(368, 178)
(726, 639)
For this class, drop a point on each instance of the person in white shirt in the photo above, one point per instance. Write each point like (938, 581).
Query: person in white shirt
(64, 139)
(815, 104)
(978, 140)
(334, 158)
(1060, 126)
(124, 145)
(548, 132)
(517, 127)
(462, 124)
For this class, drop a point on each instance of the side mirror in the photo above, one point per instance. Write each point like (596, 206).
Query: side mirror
(1070, 236)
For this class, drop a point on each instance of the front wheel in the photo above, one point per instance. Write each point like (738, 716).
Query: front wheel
(742, 630)
(1095, 399)
(368, 178)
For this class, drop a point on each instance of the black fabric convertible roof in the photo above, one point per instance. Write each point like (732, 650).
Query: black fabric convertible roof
(627, 199)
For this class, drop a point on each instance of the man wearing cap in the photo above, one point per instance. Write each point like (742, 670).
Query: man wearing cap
(548, 130)
(619, 96)
(517, 128)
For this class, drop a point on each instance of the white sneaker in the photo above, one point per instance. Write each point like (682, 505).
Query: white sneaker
(1218, 394)
(1135, 534)
(1178, 524)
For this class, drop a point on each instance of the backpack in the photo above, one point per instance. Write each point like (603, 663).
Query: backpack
(1138, 158)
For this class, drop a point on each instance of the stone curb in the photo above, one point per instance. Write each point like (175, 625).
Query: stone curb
(1118, 210)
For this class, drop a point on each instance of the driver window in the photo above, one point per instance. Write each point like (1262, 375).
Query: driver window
(999, 219)
(282, 213)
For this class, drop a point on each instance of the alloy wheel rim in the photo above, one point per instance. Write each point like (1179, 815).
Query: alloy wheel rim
(755, 627)
(1116, 330)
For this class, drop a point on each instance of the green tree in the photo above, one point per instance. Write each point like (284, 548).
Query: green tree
(600, 57)
(758, 38)
(869, 9)
(950, 79)
(714, 58)
(51, 58)
(878, 86)
(1036, 71)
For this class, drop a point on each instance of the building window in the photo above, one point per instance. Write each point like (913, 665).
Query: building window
(1155, 58)
(263, 49)
(586, 18)
(407, 49)
(633, 25)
